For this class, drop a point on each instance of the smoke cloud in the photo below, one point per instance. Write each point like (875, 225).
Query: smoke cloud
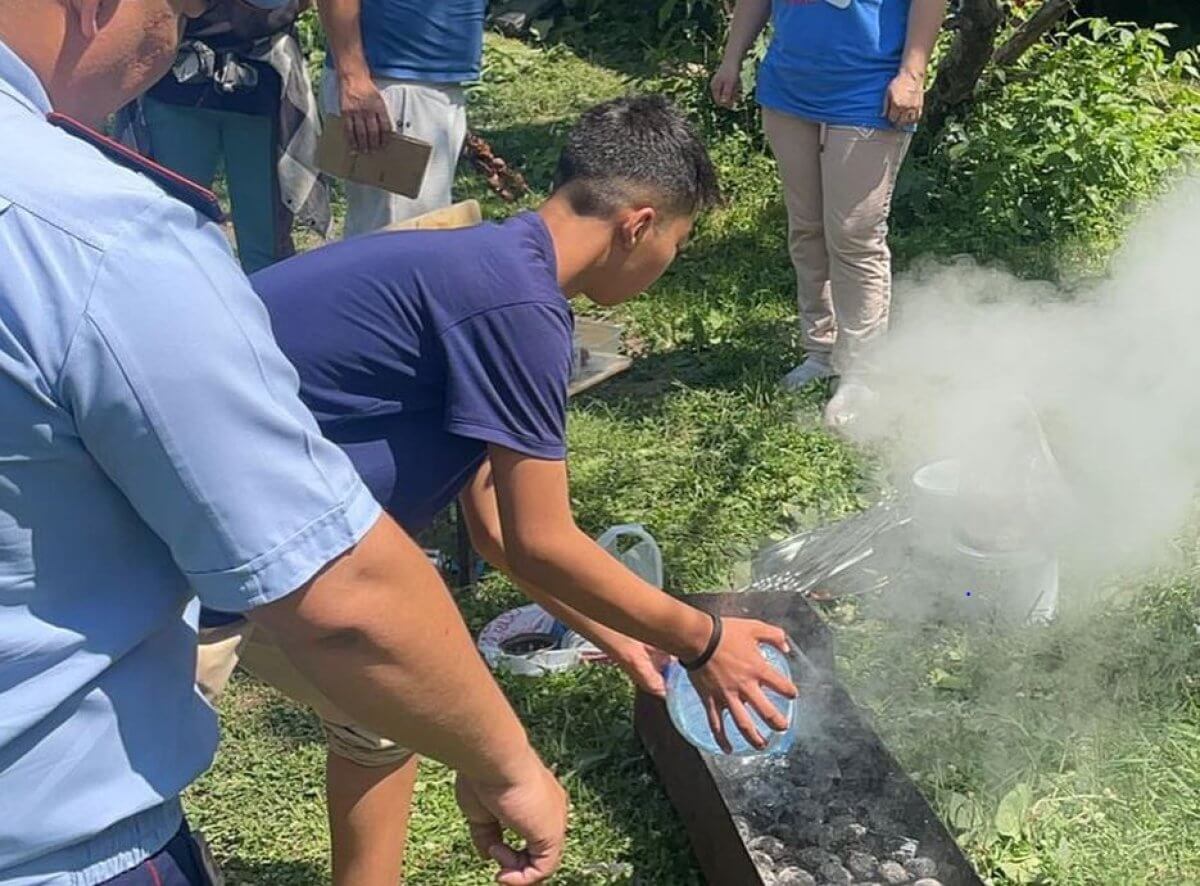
(986, 368)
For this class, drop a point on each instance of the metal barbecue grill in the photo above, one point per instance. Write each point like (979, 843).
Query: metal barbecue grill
(838, 809)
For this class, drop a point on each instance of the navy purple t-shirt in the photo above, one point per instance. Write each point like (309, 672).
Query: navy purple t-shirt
(416, 349)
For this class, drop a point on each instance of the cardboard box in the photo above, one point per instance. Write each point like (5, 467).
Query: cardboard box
(399, 166)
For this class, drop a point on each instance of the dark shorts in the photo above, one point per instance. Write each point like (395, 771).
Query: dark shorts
(179, 863)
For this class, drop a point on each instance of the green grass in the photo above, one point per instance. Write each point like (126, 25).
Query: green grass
(1088, 734)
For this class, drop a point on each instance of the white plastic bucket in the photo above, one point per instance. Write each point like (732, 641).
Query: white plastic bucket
(1012, 587)
(935, 489)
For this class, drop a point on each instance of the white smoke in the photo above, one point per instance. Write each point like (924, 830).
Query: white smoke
(1112, 373)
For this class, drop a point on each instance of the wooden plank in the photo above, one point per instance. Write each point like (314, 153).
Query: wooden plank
(599, 368)
(461, 215)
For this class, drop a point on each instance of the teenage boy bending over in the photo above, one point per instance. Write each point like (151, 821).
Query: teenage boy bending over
(439, 361)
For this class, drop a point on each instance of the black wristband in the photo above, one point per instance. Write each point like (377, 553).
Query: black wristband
(713, 642)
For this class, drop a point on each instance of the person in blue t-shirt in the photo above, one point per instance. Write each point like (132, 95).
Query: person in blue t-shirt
(401, 65)
(842, 88)
(439, 362)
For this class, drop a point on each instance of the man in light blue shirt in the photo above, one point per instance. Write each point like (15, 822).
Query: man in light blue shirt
(153, 449)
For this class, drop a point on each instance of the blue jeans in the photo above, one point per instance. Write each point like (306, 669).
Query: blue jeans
(194, 141)
(177, 864)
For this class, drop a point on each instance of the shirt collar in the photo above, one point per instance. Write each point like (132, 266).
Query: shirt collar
(18, 82)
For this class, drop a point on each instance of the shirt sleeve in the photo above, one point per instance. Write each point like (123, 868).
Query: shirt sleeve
(179, 392)
(507, 371)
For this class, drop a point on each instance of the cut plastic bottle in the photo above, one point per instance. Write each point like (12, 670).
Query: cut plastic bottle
(691, 721)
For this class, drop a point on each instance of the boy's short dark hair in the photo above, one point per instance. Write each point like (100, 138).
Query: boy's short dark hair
(638, 149)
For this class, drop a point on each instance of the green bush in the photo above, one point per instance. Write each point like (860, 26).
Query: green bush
(1044, 170)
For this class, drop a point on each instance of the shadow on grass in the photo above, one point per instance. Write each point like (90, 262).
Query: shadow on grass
(273, 873)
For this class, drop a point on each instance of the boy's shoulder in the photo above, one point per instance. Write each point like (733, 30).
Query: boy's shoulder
(487, 267)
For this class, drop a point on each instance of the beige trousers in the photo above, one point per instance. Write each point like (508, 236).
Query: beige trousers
(224, 648)
(837, 186)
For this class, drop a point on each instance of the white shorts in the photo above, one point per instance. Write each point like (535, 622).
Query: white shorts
(432, 112)
(221, 649)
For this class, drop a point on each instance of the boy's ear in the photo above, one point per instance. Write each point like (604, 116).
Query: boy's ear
(636, 225)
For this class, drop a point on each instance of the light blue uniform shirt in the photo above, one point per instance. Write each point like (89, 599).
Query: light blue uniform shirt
(152, 448)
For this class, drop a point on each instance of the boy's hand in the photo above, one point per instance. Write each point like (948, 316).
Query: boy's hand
(534, 808)
(734, 677)
(643, 665)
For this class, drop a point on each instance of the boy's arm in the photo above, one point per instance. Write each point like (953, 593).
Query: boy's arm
(482, 516)
(544, 547)
(364, 113)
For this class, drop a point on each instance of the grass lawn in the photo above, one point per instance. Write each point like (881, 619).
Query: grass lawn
(1069, 756)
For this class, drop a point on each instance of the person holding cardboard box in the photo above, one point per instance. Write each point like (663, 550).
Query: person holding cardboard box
(400, 66)
(450, 351)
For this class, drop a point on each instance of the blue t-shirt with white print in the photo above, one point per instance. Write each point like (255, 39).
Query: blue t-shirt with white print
(830, 61)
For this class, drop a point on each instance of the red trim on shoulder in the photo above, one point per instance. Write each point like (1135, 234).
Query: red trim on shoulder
(201, 199)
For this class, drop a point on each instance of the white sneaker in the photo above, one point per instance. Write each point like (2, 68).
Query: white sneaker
(807, 372)
(848, 404)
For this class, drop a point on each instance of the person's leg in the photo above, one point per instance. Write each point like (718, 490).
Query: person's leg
(185, 140)
(368, 819)
(369, 780)
(858, 175)
(796, 144)
(436, 114)
(248, 146)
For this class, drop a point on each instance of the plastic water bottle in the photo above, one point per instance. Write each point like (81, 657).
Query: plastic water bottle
(690, 719)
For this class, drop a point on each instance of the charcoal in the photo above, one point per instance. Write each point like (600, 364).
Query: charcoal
(847, 833)
(807, 811)
(810, 834)
(794, 876)
(835, 874)
(827, 839)
(921, 867)
(893, 873)
(861, 864)
(745, 831)
(771, 846)
(838, 809)
(782, 831)
(814, 857)
(762, 861)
